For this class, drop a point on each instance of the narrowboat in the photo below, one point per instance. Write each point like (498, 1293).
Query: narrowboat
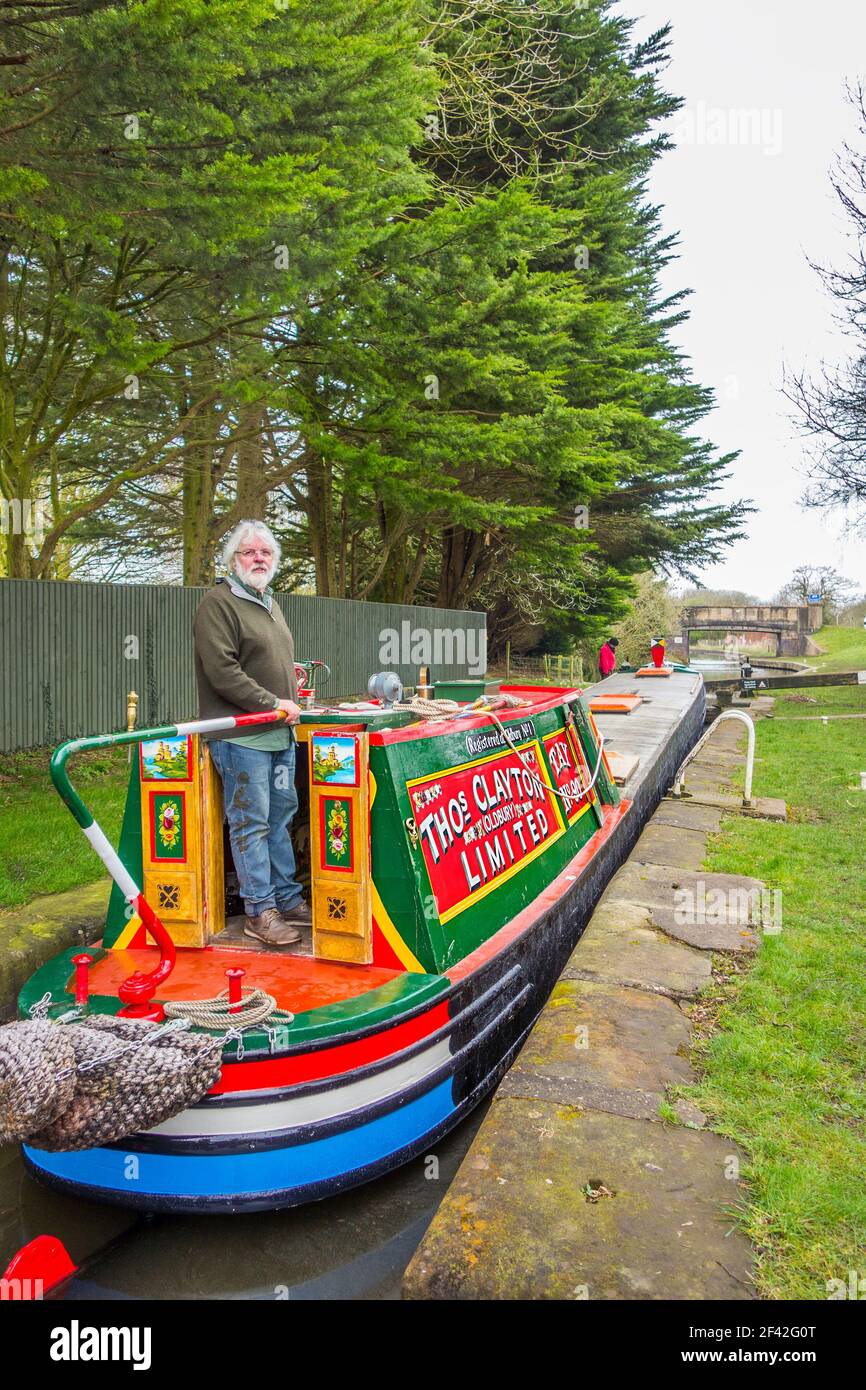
(448, 861)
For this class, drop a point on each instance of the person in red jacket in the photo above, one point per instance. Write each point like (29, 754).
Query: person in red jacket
(607, 657)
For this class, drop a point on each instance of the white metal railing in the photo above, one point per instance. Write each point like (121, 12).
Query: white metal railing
(679, 780)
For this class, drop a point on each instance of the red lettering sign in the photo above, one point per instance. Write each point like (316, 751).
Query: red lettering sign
(570, 771)
(483, 822)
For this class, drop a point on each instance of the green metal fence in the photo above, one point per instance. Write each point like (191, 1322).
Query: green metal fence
(71, 652)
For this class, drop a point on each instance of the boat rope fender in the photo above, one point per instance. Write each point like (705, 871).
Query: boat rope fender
(96, 1080)
(176, 1025)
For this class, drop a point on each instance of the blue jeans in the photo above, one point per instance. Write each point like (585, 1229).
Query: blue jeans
(260, 801)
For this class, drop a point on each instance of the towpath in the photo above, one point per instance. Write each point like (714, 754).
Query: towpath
(583, 1181)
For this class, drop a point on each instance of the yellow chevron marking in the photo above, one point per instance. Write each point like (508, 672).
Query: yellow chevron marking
(128, 933)
(383, 921)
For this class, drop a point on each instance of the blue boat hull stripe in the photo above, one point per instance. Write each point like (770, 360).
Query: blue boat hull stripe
(276, 1198)
(240, 1175)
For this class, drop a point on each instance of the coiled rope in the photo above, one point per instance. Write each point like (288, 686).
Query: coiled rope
(451, 709)
(429, 709)
(255, 1007)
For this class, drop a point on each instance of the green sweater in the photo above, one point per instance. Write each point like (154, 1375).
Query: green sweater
(244, 659)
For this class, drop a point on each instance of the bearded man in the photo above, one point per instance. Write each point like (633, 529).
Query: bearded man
(245, 664)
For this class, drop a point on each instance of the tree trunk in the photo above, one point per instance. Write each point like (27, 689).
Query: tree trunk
(252, 485)
(413, 578)
(391, 584)
(464, 566)
(321, 525)
(198, 473)
(18, 565)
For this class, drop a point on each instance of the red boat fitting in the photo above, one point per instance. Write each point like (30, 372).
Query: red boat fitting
(82, 983)
(235, 975)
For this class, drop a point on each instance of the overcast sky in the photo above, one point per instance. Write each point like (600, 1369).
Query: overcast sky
(750, 200)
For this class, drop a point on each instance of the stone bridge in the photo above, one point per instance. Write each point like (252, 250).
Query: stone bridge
(788, 625)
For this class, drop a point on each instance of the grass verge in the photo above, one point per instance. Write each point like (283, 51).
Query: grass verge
(42, 849)
(844, 649)
(781, 1048)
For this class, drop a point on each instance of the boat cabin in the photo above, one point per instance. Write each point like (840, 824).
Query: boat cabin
(415, 840)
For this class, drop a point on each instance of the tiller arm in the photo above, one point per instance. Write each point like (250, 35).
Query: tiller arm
(138, 990)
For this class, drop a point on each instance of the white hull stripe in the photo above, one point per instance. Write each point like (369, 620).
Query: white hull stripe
(227, 1120)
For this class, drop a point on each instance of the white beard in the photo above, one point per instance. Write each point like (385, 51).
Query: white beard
(256, 581)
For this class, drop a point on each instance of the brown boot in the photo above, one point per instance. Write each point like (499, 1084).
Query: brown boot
(298, 915)
(270, 928)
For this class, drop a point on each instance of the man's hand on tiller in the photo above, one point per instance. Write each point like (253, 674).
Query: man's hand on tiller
(292, 710)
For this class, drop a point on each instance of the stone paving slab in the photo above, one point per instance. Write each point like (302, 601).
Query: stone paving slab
(621, 947)
(714, 932)
(763, 808)
(654, 885)
(692, 797)
(667, 844)
(723, 758)
(601, 1047)
(697, 780)
(719, 747)
(722, 764)
(688, 815)
(516, 1223)
(767, 808)
(714, 771)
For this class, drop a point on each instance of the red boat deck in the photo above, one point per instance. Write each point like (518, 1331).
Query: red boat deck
(298, 983)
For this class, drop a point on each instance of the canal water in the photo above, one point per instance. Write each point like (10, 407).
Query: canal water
(354, 1247)
(715, 668)
(351, 1247)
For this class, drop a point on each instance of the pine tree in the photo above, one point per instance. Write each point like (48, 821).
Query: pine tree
(500, 365)
(181, 173)
(386, 272)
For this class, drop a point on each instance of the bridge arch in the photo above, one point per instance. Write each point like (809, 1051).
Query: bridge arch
(790, 623)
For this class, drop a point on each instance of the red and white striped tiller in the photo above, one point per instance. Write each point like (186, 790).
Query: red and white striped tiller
(138, 990)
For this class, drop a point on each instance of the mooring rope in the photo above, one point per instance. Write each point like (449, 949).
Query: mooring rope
(563, 796)
(429, 709)
(450, 709)
(256, 1006)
